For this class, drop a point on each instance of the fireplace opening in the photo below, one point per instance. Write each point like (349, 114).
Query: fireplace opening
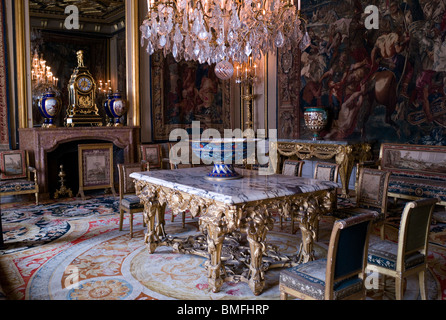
(66, 154)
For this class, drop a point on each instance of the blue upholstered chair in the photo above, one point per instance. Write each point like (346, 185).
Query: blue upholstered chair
(339, 276)
(291, 168)
(128, 200)
(409, 255)
(371, 196)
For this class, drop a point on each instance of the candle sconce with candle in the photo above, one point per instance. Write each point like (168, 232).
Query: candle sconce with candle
(246, 76)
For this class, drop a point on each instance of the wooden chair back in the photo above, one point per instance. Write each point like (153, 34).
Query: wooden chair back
(326, 171)
(414, 229)
(126, 184)
(293, 167)
(371, 190)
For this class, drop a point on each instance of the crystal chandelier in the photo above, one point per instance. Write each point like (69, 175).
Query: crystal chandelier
(41, 74)
(221, 31)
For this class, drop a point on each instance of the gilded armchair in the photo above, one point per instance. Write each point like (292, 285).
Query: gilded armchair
(16, 176)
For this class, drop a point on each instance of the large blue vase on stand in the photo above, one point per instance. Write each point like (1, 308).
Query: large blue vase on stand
(49, 106)
(118, 108)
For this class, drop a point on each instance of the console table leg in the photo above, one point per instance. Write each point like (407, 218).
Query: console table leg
(256, 223)
(215, 239)
(256, 279)
(152, 211)
(345, 160)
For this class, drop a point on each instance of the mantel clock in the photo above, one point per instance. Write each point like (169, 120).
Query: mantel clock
(82, 109)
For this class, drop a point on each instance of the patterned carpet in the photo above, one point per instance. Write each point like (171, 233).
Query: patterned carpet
(73, 250)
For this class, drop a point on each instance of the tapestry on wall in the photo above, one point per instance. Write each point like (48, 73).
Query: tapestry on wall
(385, 84)
(184, 92)
(4, 128)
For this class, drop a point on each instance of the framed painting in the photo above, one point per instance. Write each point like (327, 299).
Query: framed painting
(13, 165)
(183, 92)
(152, 154)
(95, 167)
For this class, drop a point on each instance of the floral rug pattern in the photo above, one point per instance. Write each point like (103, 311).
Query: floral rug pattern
(75, 251)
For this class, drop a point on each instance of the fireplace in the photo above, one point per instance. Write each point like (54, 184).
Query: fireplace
(48, 148)
(66, 154)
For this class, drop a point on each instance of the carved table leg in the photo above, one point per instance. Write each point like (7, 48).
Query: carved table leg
(215, 227)
(256, 224)
(307, 215)
(154, 219)
(151, 238)
(345, 159)
(308, 231)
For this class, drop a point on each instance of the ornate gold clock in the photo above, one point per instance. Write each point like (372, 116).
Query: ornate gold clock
(82, 109)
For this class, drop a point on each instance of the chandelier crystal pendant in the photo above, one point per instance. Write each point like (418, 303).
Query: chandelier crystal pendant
(220, 31)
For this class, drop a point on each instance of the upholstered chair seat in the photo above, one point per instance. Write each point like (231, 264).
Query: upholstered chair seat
(341, 274)
(16, 186)
(309, 279)
(131, 202)
(409, 255)
(385, 253)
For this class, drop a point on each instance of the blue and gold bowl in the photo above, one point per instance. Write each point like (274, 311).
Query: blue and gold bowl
(223, 153)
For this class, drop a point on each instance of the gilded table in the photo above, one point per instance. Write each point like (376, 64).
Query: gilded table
(235, 209)
(346, 153)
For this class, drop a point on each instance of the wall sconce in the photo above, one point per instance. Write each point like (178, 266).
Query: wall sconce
(97, 28)
(246, 76)
(246, 73)
(43, 23)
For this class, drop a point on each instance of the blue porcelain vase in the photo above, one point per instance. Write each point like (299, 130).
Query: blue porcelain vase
(49, 106)
(118, 108)
(110, 117)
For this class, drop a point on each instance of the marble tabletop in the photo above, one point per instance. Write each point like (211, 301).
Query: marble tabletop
(251, 187)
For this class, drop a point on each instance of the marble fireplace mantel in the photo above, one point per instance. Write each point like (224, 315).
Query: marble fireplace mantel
(39, 142)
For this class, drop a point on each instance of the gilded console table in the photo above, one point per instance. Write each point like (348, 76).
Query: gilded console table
(346, 153)
(232, 211)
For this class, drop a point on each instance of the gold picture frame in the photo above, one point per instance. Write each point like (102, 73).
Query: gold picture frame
(187, 92)
(95, 167)
(13, 165)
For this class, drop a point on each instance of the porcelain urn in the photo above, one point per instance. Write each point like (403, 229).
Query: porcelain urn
(49, 106)
(118, 107)
(316, 119)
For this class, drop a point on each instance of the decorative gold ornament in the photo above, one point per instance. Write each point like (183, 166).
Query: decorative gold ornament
(82, 109)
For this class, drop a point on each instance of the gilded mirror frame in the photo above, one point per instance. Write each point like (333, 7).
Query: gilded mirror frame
(24, 61)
